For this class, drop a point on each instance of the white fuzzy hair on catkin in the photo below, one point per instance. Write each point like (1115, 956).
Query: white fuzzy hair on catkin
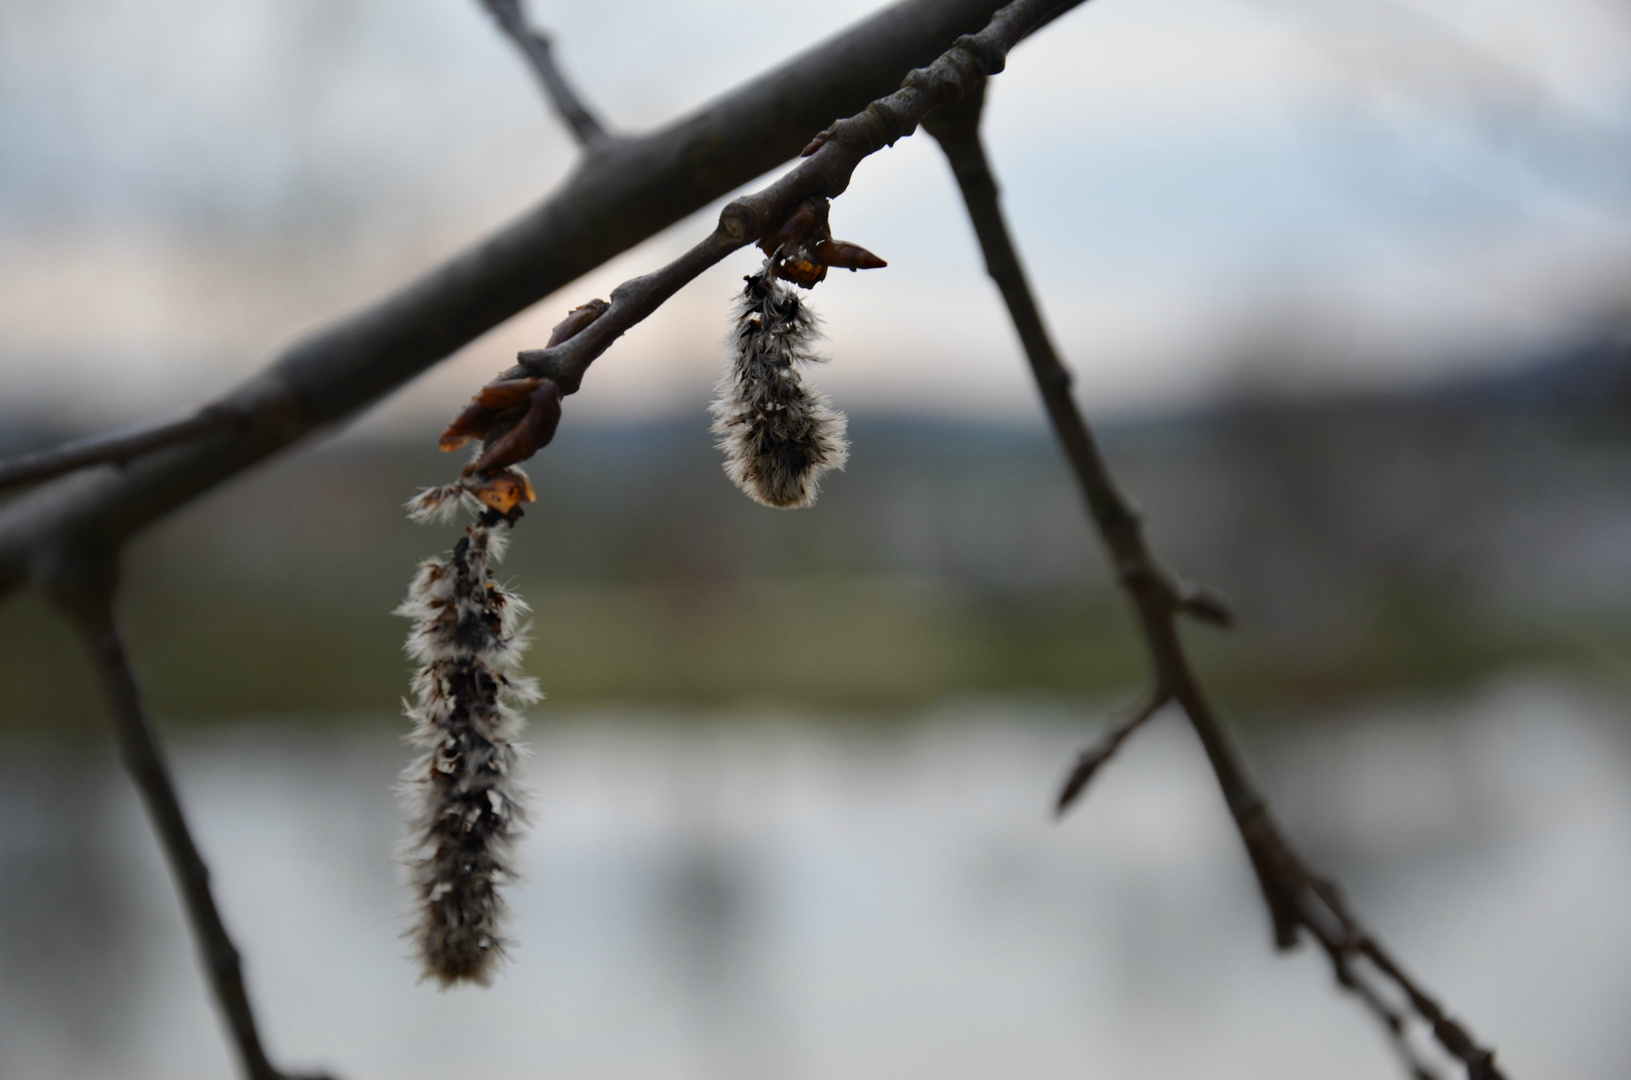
(462, 790)
(778, 436)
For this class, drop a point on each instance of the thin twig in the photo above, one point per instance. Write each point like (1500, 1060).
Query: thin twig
(1296, 898)
(629, 190)
(139, 749)
(1090, 759)
(829, 162)
(535, 46)
(113, 447)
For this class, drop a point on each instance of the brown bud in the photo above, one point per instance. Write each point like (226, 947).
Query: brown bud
(792, 232)
(473, 421)
(846, 255)
(496, 405)
(529, 435)
(477, 421)
(506, 393)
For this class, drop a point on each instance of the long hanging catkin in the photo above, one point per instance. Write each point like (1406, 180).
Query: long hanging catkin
(462, 789)
(779, 437)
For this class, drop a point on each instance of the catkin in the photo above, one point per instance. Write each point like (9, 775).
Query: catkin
(464, 799)
(778, 436)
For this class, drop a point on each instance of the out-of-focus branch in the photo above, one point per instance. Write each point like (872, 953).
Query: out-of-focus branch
(630, 189)
(535, 45)
(1091, 759)
(88, 602)
(1399, 49)
(1297, 900)
(829, 162)
(114, 447)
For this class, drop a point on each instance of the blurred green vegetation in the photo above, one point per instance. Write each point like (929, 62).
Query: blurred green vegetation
(952, 561)
(839, 644)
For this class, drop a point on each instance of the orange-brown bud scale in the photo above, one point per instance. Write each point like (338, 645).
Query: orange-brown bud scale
(506, 393)
(801, 224)
(802, 248)
(505, 491)
(472, 422)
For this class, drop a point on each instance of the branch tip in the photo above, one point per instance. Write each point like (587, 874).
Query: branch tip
(1092, 758)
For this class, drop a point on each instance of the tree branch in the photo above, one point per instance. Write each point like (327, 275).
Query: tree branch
(114, 447)
(1296, 898)
(535, 46)
(623, 194)
(829, 163)
(90, 608)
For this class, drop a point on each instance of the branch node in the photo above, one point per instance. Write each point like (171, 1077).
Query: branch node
(987, 60)
(741, 221)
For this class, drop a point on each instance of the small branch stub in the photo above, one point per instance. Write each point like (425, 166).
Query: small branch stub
(1090, 760)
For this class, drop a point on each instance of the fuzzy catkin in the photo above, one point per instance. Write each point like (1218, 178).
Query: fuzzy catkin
(462, 790)
(778, 436)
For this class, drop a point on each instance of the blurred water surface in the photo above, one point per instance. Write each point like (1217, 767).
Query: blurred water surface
(797, 896)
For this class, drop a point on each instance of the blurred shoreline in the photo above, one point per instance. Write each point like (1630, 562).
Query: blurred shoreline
(1376, 545)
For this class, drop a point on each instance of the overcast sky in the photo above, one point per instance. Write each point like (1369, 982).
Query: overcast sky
(185, 185)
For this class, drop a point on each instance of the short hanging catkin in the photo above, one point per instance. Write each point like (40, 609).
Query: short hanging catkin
(779, 437)
(462, 790)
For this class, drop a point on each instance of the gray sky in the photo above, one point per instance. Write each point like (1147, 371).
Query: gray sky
(1395, 187)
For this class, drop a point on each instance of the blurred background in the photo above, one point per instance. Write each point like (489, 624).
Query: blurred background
(1345, 287)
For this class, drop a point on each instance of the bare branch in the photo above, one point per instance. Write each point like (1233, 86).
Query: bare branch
(91, 610)
(535, 46)
(113, 447)
(623, 194)
(1296, 898)
(829, 162)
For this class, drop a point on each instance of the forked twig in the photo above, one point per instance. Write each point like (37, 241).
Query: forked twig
(626, 191)
(1298, 901)
(535, 46)
(829, 162)
(63, 538)
(91, 611)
